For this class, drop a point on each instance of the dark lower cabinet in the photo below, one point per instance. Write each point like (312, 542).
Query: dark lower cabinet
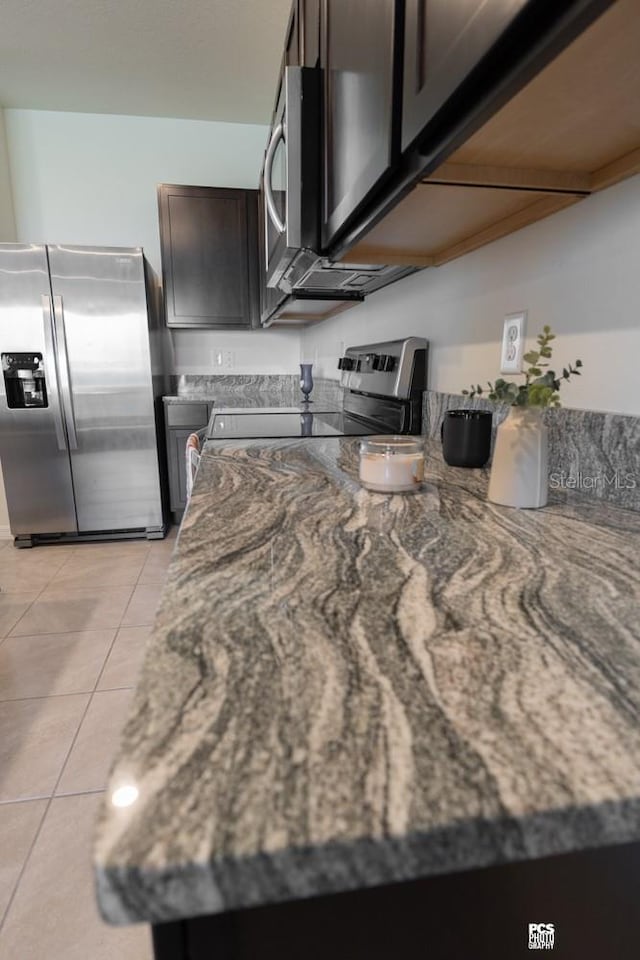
(209, 243)
(587, 900)
(177, 469)
(181, 420)
(360, 54)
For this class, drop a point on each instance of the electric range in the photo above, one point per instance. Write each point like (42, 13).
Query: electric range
(383, 386)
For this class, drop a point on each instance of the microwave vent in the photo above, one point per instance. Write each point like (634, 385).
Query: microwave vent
(325, 279)
(360, 267)
(338, 278)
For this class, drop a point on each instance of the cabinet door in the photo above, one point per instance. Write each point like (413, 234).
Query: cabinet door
(358, 56)
(292, 52)
(444, 41)
(310, 32)
(209, 256)
(176, 448)
(302, 44)
(178, 469)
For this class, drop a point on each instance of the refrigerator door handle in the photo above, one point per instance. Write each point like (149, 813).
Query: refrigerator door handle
(51, 367)
(65, 375)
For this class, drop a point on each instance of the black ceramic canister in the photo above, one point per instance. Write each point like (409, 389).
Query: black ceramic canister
(466, 437)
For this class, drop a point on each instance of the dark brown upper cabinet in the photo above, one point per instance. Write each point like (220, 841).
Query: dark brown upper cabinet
(444, 41)
(302, 44)
(209, 245)
(360, 53)
(292, 51)
(447, 125)
(463, 60)
(512, 111)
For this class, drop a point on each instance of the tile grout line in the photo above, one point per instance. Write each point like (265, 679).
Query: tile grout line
(26, 860)
(8, 803)
(73, 693)
(72, 793)
(51, 633)
(51, 798)
(78, 793)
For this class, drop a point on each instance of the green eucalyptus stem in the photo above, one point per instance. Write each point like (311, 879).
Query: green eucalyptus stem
(541, 387)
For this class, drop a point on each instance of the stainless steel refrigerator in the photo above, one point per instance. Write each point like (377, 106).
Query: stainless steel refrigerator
(82, 373)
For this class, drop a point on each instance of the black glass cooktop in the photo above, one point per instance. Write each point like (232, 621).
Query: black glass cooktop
(237, 426)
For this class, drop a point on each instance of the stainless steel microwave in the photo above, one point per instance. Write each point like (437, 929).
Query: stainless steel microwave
(291, 194)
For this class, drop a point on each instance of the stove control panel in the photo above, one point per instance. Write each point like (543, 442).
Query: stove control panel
(396, 368)
(368, 363)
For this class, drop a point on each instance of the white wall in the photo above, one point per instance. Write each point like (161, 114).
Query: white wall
(275, 351)
(578, 271)
(7, 220)
(92, 178)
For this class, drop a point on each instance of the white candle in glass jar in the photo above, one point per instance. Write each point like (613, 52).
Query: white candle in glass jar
(391, 464)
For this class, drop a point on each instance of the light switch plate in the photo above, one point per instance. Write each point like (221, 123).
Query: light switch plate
(515, 325)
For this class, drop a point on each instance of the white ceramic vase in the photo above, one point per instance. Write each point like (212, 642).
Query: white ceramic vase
(519, 469)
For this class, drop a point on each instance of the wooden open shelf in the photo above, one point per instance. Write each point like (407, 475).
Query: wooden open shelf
(574, 129)
(581, 113)
(298, 312)
(436, 223)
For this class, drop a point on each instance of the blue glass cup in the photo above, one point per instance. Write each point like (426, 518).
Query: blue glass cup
(306, 380)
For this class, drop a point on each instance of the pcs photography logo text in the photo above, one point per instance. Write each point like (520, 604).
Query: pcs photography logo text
(541, 936)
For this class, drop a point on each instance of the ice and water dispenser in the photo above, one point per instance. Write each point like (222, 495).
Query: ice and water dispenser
(24, 380)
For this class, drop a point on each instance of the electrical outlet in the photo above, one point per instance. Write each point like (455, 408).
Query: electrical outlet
(223, 359)
(513, 342)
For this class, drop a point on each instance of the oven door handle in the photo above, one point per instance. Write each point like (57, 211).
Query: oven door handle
(277, 135)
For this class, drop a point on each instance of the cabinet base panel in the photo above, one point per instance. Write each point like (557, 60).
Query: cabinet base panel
(47, 539)
(590, 897)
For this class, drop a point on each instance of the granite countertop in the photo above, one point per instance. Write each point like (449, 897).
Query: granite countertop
(230, 399)
(267, 403)
(344, 688)
(243, 390)
(189, 398)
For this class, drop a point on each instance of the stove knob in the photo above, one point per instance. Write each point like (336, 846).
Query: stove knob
(387, 363)
(345, 363)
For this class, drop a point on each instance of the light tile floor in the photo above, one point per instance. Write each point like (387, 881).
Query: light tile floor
(73, 624)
